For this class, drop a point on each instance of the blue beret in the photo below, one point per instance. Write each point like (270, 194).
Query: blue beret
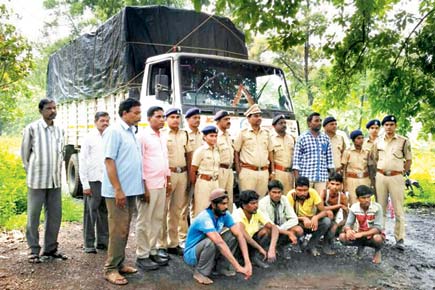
(191, 112)
(355, 134)
(389, 118)
(328, 120)
(172, 111)
(373, 122)
(277, 118)
(209, 129)
(220, 114)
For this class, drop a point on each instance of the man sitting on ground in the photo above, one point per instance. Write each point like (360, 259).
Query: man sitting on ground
(277, 208)
(369, 216)
(258, 230)
(336, 206)
(309, 208)
(204, 238)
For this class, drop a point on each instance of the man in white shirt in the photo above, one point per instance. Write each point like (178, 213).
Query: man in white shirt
(91, 168)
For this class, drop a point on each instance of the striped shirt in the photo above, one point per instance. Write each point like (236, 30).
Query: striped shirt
(313, 156)
(372, 218)
(41, 152)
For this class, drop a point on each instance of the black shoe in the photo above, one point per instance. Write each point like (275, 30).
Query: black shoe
(176, 251)
(146, 264)
(400, 245)
(162, 253)
(260, 263)
(159, 260)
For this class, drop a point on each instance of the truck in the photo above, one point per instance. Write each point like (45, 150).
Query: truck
(161, 56)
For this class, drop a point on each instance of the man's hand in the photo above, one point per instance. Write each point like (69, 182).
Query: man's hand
(307, 222)
(120, 199)
(246, 271)
(271, 255)
(87, 192)
(272, 176)
(350, 235)
(314, 223)
(263, 253)
(146, 196)
(293, 238)
(358, 235)
(168, 189)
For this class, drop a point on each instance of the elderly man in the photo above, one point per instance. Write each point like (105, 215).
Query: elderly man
(91, 174)
(205, 237)
(41, 152)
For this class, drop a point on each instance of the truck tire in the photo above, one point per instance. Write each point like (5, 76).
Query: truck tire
(72, 177)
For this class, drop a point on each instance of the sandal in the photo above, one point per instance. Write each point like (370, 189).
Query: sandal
(127, 270)
(55, 255)
(33, 259)
(115, 278)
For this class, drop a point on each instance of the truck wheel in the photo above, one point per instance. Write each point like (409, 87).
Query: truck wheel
(72, 177)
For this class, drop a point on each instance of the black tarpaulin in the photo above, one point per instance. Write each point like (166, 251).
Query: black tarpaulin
(113, 57)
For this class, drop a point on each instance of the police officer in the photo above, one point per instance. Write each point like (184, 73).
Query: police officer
(179, 153)
(283, 146)
(373, 127)
(355, 163)
(204, 172)
(252, 147)
(226, 153)
(338, 145)
(393, 155)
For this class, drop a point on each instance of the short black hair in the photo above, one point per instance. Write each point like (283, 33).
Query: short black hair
(44, 102)
(363, 190)
(311, 116)
(152, 110)
(302, 181)
(127, 104)
(100, 114)
(336, 177)
(275, 184)
(246, 196)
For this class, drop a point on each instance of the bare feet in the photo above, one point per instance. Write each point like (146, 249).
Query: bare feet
(377, 258)
(201, 279)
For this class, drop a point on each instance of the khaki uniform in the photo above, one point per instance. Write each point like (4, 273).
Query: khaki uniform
(390, 156)
(173, 226)
(283, 148)
(355, 163)
(254, 151)
(226, 175)
(368, 144)
(337, 146)
(207, 160)
(195, 139)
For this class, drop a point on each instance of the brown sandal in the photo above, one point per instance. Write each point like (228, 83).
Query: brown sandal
(115, 278)
(127, 270)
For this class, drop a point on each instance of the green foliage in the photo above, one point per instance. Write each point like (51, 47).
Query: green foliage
(15, 64)
(72, 209)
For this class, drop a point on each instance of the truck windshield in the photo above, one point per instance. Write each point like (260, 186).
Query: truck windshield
(215, 82)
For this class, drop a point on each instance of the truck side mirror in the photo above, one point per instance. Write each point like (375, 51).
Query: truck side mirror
(162, 87)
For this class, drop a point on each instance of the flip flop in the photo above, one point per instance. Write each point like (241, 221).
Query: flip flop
(115, 278)
(127, 270)
(33, 259)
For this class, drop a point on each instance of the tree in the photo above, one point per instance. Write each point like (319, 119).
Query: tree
(16, 61)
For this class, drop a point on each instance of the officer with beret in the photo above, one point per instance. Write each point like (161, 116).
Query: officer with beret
(392, 153)
(180, 155)
(372, 127)
(338, 145)
(252, 146)
(204, 172)
(355, 163)
(283, 146)
(226, 153)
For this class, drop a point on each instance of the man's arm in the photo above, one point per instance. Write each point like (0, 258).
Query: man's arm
(237, 161)
(250, 241)
(112, 173)
(271, 254)
(235, 229)
(26, 147)
(84, 156)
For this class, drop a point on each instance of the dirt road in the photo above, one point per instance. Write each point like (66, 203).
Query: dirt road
(413, 269)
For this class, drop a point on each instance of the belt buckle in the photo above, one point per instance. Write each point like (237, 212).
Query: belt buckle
(387, 173)
(214, 178)
(178, 169)
(360, 175)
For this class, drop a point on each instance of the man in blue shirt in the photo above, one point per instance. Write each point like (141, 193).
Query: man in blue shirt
(313, 154)
(204, 238)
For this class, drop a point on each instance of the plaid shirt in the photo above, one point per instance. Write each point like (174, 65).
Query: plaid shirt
(313, 156)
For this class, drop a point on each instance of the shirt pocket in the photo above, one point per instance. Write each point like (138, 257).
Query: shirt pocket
(397, 152)
(324, 148)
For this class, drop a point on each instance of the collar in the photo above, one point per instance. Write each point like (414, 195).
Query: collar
(44, 124)
(394, 136)
(151, 131)
(222, 133)
(191, 131)
(251, 129)
(124, 125)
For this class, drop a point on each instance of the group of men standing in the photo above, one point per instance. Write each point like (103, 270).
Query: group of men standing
(172, 175)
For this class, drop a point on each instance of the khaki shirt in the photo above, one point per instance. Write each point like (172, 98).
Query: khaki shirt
(207, 160)
(225, 147)
(254, 148)
(195, 139)
(368, 144)
(356, 161)
(178, 145)
(338, 146)
(283, 148)
(391, 154)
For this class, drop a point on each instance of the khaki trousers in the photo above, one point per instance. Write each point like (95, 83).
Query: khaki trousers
(287, 179)
(149, 223)
(352, 184)
(172, 220)
(226, 181)
(254, 180)
(394, 186)
(318, 186)
(203, 189)
(119, 227)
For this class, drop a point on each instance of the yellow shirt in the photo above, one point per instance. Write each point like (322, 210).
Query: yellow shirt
(309, 207)
(258, 220)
